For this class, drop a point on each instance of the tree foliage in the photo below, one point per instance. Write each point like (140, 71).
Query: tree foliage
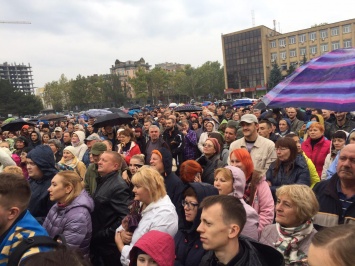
(275, 76)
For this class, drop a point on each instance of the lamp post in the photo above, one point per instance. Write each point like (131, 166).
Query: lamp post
(242, 91)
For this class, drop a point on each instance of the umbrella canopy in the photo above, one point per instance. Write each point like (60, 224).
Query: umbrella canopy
(116, 110)
(16, 125)
(326, 82)
(242, 102)
(134, 107)
(97, 112)
(206, 103)
(188, 108)
(112, 119)
(50, 117)
(173, 105)
(260, 105)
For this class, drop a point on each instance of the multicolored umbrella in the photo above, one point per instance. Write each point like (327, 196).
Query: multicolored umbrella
(326, 82)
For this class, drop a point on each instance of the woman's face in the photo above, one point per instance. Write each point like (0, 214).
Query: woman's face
(141, 194)
(57, 191)
(236, 117)
(67, 155)
(23, 157)
(286, 212)
(208, 148)
(209, 127)
(283, 125)
(235, 162)
(223, 185)
(298, 143)
(134, 165)
(75, 138)
(125, 139)
(145, 260)
(19, 144)
(11, 135)
(45, 138)
(315, 133)
(283, 153)
(338, 143)
(194, 126)
(190, 209)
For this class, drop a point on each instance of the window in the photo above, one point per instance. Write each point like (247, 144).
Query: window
(347, 28)
(347, 44)
(334, 31)
(335, 45)
(292, 40)
(283, 67)
(283, 55)
(273, 44)
(292, 53)
(312, 36)
(323, 34)
(324, 48)
(273, 56)
(313, 49)
(302, 38)
(303, 51)
(282, 42)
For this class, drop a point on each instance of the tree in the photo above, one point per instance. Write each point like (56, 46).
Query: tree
(57, 93)
(275, 76)
(140, 84)
(291, 69)
(112, 89)
(212, 79)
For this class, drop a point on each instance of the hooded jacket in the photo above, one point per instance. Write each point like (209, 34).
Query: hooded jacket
(32, 144)
(188, 247)
(209, 165)
(162, 251)
(40, 204)
(73, 221)
(80, 147)
(251, 226)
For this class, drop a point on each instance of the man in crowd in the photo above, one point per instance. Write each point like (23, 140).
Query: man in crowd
(262, 150)
(328, 116)
(154, 142)
(175, 140)
(147, 124)
(111, 135)
(90, 141)
(296, 124)
(265, 130)
(111, 199)
(230, 135)
(59, 134)
(66, 139)
(341, 123)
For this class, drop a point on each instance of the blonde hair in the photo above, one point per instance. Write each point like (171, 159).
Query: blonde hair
(13, 169)
(72, 179)
(139, 157)
(303, 197)
(150, 179)
(227, 174)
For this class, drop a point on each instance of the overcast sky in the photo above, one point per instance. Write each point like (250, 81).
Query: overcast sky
(87, 36)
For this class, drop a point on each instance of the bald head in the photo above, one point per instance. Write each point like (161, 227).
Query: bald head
(346, 165)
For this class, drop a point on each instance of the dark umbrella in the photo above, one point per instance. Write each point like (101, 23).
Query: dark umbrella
(97, 112)
(116, 110)
(326, 82)
(134, 107)
(260, 105)
(16, 125)
(50, 117)
(112, 119)
(188, 108)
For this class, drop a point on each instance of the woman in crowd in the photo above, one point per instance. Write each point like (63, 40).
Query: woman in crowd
(230, 180)
(293, 231)
(257, 192)
(127, 147)
(56, 148)
(35, 140)
(289, 168)
(71, 215)
(188, 246)
(333, 246)
(140, 139)
(156, 210)
(77, 141)
(210, 159)
(236, 116)
(190, 171)
(23, 158)
(45, 138)
(209, 127)
(20, 143)
(70, 162)
(284, 127)
(316, 147)
(136, 162)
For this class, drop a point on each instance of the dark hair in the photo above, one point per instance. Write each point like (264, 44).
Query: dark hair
(128, 133)
(314, 116)
(217, 136)
(232, 209)
(289, 164)
(269, 124)
(190, 192)
(291, 135)
(339, 134)
(232, 127)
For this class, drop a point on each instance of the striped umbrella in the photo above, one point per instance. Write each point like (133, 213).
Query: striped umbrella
(326, 82)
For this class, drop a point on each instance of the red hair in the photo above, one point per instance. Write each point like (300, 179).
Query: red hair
(244, 157)
(188, 170)
(317, 125)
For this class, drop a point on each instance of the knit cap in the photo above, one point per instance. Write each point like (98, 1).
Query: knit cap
(216, 145)
(71, 149)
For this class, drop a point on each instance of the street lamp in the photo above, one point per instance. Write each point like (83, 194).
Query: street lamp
(242, 91)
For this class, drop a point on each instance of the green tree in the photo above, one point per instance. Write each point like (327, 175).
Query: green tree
(140, 84)
(112, 89)
(212, 79)
(275, 76)
(56, 93)
(291, 69)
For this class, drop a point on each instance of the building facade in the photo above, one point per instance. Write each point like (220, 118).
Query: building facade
(170, 67)
(19, 75)
(249, 54)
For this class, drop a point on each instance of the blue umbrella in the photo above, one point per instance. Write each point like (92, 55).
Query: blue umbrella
(206, 103)
(242, 102)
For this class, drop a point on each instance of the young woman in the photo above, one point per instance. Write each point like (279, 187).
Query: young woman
(45, 138)
(136, 162)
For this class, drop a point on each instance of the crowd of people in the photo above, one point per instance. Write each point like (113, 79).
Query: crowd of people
(223, 186)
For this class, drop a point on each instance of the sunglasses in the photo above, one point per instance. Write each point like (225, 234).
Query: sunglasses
(135, 165)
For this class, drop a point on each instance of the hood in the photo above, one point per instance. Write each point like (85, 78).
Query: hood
(238, 181)
(38, 137)
(202, 191)
(163, 250)
(288, 121)
(43, 157)
(81, 136)
(167, 160)
(348, 138)
(83, 200)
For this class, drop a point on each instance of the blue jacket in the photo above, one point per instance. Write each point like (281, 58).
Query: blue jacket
(188, 247)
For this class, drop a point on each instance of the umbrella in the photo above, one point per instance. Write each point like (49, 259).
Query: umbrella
(50, 117)
(173, 105)
(260, 105)
(206, 103)
(16, 125)
(188, 108)
(97, 112)
(326, 82)
(112, 119)
(242, 102)
(134, 107)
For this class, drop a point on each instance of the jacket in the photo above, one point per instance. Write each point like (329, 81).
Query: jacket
(298, 175)
(80, 148)
(148, 149)
(190, 149)
(296, 125)
(348, 127)
(73, 221)
(40, 203)
(312, 170)
(90, 179)
(318, 153)
(160, 215)
(175, 140)
(251, 226)
(111, 199)
(77, 166)
(263, 152)
(208, 166)
(330, 208)
(188, 247)
(254, 254)
(5, 159)
(32, 144)
(133, 150)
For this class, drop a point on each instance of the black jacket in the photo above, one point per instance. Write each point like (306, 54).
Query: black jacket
(254, 254)
(176, 144)
(111, 199)
(208, 166)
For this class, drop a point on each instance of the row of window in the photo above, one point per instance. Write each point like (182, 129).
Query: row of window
(312, 36)
(313, 49)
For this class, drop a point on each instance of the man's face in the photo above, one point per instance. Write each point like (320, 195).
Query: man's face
(157, 163)
(257, 113)
(291, 113)
(89, 143)
(62, 124)
(249, 130)
(109, 129)
(182, 117)
(230, 135)
(53, 147)
(228, 115)
(340, 116)
(325, 114)
(214, 233)
(33, 170)
(58, 134)
(66, 138)
(146, 126)
(106, 164)
(154, 133)
(162, 121)
(20, 144)
(95, 158)
(70, 128)
(346, 164)
(90, 128)
(169, 124)
(264, 130)
(140, 115)
(219, 111)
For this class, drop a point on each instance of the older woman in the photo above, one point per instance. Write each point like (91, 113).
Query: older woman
(257, 192)
(77, 141)
(156, 210)
(289, 168)
(230, 180)
(209, 127)
(293, 231)
(316, 147)
(71, 215)
(127, 147)
(210, 159)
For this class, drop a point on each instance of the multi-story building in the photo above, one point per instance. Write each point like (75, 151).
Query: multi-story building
(170, 67)
(19, 75)
(249, 54)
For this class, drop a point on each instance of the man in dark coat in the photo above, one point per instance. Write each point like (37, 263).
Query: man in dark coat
(175, 139)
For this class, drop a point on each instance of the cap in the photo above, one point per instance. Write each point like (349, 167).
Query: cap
(58, 129)
(93, 136)
(249, 118)
(193, 115)
(71, 149)
(25, 127)
(98, 148)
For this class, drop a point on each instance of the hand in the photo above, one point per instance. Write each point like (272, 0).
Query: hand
(118, 241)
(197, 178)
(126, 237)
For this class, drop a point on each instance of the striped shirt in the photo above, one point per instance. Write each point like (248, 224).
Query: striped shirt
(345, 202)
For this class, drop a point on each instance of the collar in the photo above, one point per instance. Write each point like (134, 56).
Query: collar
(341, 194)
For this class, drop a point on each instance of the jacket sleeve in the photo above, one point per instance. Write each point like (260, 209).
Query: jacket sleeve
(326, 165)
(312, 171)
(6, 159)
(303, 177)
(333, 167)
(191, 138)
(135, 150)
(202, 140)
(76, 228)
(266, 205)
(271, 157)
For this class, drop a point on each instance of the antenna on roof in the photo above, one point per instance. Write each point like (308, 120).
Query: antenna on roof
(253, 18)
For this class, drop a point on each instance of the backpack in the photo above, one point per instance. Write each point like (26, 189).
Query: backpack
(35, 241)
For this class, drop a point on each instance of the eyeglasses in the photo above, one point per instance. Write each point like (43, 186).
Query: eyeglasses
(135, 165)
(190, 205)
(208, 145)
(281, 149)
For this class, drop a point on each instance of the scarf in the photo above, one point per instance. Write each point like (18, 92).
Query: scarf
(71, 163)
(246, 195)
(287, 244)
